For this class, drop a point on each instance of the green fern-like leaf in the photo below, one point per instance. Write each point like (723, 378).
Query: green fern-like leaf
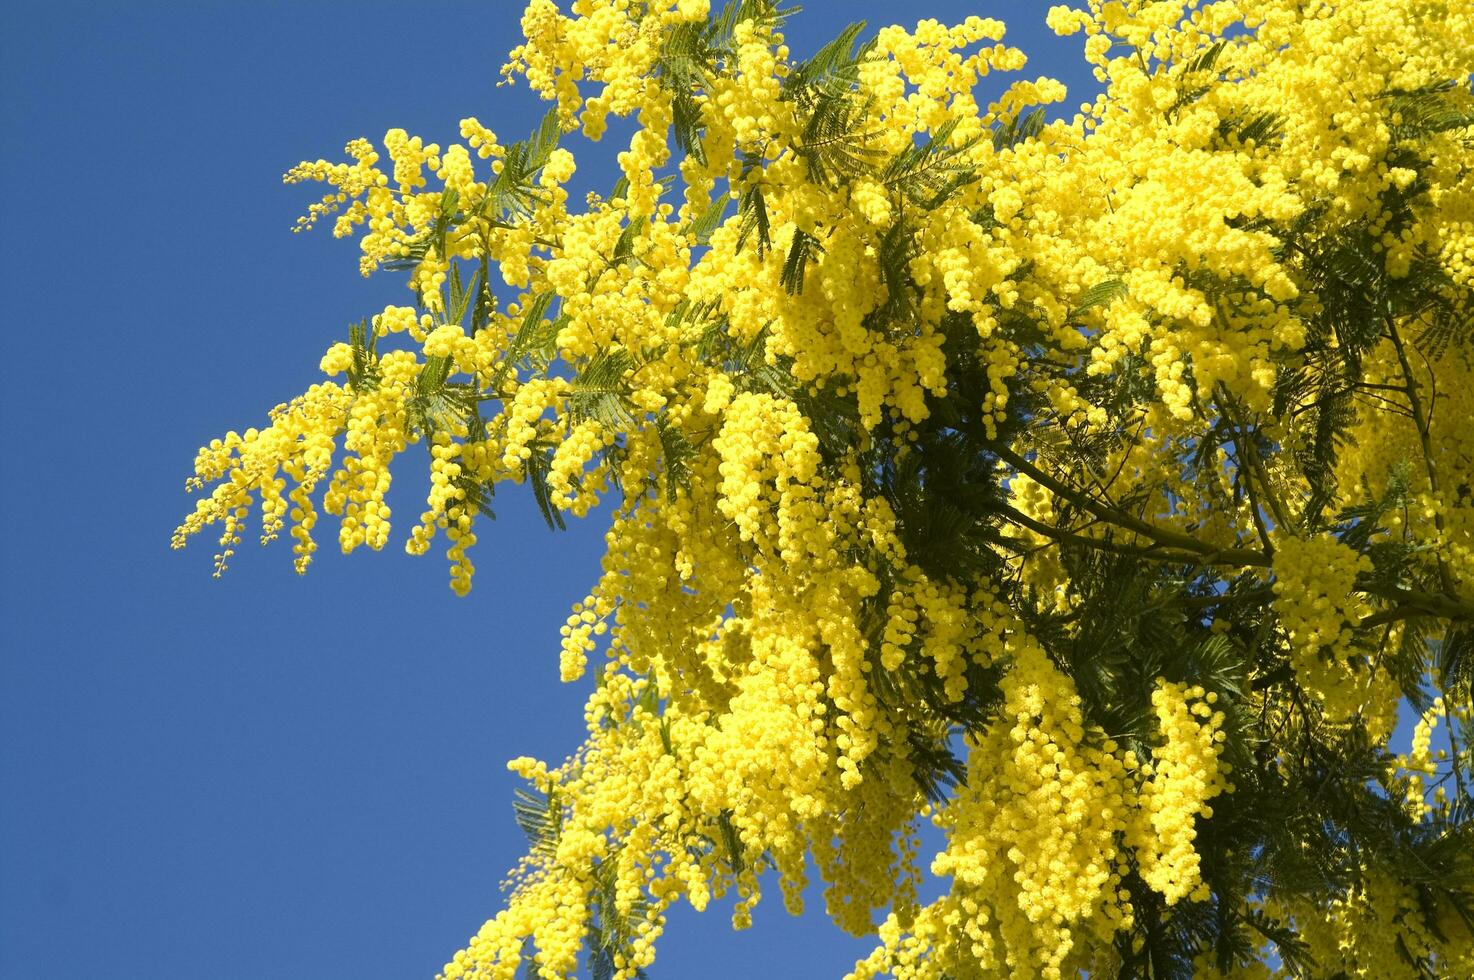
(531, 333)
(800, 252)
(539, 466)
(893, 256)
(677, 452)
(700, 228)
(515, 192)
(540, 817)
(929, 172)
(461, 297)
(752, 208)
(834, 67)
(1101, 294)
(1437, 108)
(733, 843)
(599, 393)
(1018, 129)
(363, 372)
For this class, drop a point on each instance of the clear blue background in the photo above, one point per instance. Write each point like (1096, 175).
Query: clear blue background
(263, 776)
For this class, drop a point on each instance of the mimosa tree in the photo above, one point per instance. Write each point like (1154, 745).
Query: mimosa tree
(1096, 490)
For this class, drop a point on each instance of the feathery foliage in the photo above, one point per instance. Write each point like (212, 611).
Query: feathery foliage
(1097, 489)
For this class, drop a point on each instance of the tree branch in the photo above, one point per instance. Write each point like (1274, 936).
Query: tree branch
(1189, 550)
(1153, 553)
(1244, 441)
(1420, 420)
(1111, 515)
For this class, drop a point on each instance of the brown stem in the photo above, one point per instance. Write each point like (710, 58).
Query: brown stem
(1186, 549)
(1244, 440)
(1153, 553)
(1420, 420)
(1111, 515)
(1428, 603)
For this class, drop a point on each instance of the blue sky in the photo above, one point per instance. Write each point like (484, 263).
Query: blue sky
(263, 776)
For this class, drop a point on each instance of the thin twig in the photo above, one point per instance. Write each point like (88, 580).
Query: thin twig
(1420, 420)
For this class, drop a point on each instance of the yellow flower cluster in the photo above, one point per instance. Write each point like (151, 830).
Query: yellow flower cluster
(774, 668)
(1033, 840)
(351, 180)
(1318, 605)
(1041, 567)
(1038, 842)
(768, 462)
(1420, 761)
(299, 443)
(1184, 774)
(1374, 930)
(375, 433)
(573, 454)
